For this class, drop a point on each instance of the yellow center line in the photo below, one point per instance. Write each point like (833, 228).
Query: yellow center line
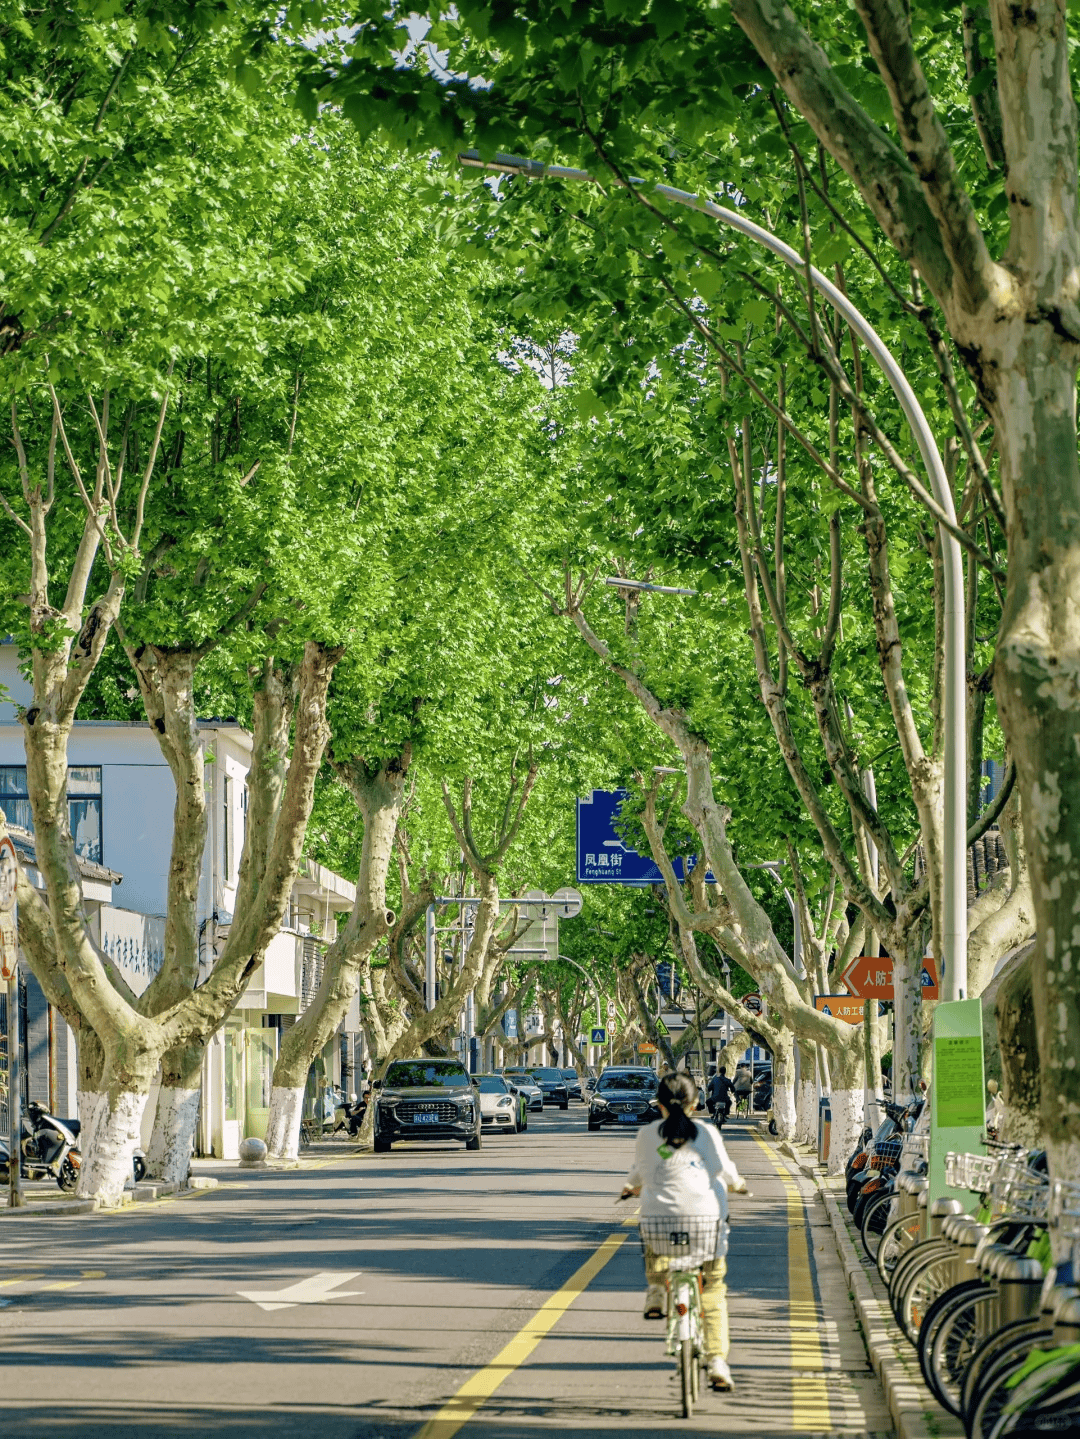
(64, 1284)
(18, 1279)
(810, 1394)
(472, 1394)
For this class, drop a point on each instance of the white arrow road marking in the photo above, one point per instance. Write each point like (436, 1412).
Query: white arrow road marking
(304, 1291)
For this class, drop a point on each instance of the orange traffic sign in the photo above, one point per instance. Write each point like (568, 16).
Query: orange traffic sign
(841, 1006)
(871, 977)
(646, 1048)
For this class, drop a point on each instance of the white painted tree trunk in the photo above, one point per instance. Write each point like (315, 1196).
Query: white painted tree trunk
(89, 1104)
(106, 1165)
(169, 1156)
(1064, 1160)
(283, 1126)
(783, 1107)
(806, 1113)
(847, 1123)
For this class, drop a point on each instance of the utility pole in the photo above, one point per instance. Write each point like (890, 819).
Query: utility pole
(9, 972)
(954, 908)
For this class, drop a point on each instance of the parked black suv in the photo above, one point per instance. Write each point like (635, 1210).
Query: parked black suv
(427, 1099)
(553, 1086)
(624, 1096)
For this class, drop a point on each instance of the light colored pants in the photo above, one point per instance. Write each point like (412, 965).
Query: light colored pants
(713, 1300)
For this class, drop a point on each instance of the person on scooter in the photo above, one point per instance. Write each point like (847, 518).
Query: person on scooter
(682, 1168)
(720, 1095)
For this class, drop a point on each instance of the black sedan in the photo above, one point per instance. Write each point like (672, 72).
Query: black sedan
(427, 1099)
(552, 1086)
(624, 1096)
(573, 1083)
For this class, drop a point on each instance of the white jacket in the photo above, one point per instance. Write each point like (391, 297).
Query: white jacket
(691, 1179)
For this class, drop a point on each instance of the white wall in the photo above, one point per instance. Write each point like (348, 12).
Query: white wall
(137, 799)
(13, 682)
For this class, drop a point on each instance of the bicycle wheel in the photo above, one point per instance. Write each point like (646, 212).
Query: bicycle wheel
(951, 1340)
(901, 1236)
(877, 1217)
(687, 1365)
(1042, 1406)
(909, 1266)
(931, 1280)
(994, 1390)
(1021, 1331)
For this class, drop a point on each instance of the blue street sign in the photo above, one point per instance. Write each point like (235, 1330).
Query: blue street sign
(604, 858)
(599, 1036)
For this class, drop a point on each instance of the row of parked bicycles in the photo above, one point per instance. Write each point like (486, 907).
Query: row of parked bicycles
(995, 1322)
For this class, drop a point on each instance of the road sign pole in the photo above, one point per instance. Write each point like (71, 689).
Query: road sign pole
(15, 1194)
(429, 958)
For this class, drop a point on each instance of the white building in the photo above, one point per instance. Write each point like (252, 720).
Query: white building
(121, 795)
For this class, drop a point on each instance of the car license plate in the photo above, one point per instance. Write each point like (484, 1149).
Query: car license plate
(426, 1119)
(627, 1118)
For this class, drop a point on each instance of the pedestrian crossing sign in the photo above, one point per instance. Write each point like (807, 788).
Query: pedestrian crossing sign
(599, 1036)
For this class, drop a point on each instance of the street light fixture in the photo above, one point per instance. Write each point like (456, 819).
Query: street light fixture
(622, 584)
(954, 907)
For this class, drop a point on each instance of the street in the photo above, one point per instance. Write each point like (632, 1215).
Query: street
(360, 1295)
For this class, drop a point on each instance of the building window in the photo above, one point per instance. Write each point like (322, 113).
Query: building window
(84, 805)
(226, 831)
(14, 800)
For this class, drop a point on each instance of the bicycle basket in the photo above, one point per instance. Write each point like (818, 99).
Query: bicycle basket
(1020, 1192)
(975, 1172)
(886, 1153)
(915, 1146)
(691, 1239)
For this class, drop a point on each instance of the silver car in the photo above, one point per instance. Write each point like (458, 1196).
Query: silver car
(523, 1080)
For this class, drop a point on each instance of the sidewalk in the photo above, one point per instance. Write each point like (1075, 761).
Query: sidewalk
(915, 1412)
(43, 1197)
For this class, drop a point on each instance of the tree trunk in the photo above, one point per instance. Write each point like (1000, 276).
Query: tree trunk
(908, 1021)
(1035, 680)
(846, 1105)
(115, 1123)
(1021, 1079)
(379, 794)
(283, 1125)
(783, 1097)
(168, 1156)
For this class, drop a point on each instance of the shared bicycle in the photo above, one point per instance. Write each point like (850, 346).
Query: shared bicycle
(681, 1245)
(995, 1323)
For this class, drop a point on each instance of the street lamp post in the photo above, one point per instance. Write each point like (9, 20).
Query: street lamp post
(954, 909)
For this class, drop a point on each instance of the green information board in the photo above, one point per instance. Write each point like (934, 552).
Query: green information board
(958, 1093)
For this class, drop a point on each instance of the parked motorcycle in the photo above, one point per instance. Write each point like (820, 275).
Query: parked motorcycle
(50, 1148)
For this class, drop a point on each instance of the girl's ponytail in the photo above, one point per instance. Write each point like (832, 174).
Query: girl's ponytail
(678, 1094)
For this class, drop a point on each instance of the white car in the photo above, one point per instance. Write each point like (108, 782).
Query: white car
(523, 1080)
(502, 1105)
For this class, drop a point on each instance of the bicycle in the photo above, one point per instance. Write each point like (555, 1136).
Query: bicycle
(682, 1244)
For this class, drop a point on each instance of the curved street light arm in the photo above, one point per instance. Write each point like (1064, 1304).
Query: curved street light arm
(954, 909)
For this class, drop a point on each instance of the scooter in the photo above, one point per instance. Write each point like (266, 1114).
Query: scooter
(50, 1148)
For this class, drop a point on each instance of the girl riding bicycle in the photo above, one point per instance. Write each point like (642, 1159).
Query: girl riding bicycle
(681, 1168)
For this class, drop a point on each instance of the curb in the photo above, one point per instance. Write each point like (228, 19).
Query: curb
(915, 1412)
(142, 1193)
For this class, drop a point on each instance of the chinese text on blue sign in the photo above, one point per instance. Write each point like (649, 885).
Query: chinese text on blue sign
(603, 857)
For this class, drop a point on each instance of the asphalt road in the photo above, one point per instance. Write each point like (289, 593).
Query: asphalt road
(354, 1298)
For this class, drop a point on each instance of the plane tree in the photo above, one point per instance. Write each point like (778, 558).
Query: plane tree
(979, 212)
